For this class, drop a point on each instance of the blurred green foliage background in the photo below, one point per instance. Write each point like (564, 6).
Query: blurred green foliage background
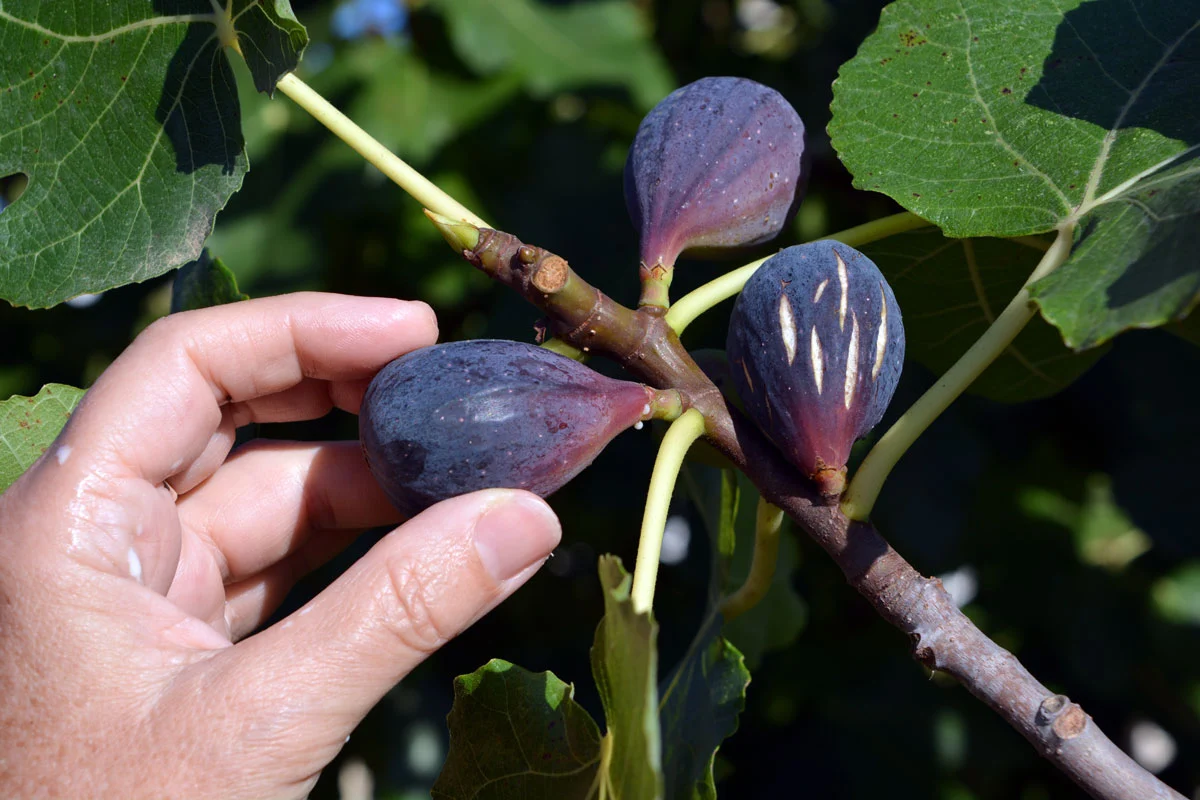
(1068, 524)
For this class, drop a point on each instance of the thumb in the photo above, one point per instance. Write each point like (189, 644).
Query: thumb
(322, 669)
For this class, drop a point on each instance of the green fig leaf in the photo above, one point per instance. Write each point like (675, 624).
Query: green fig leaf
(124, 118)
(204, 282)
(28, 426)
(701, 701)
(950, 291)
(1018, 118)
(1134, 266)
(515, 733)
(554, 47)
(625, 667)
(1177, 595)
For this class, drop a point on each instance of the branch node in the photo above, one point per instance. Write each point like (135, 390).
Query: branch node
(925, 654)
(1065, 719)
(551, 275)
(1071, 723)
(1051, 707)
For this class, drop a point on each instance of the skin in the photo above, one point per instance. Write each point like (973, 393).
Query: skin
(138, 556)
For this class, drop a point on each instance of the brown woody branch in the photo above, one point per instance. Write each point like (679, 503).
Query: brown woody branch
(942, 637)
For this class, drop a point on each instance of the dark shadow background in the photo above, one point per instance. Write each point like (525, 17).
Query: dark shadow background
(1076, 515)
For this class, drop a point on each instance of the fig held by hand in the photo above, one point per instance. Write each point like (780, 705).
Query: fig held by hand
(454, 418)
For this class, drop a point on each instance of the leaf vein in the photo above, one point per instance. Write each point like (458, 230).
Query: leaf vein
(991, 117)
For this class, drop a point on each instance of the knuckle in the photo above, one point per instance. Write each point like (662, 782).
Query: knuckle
(318, 506)
(161, 329)
(411, 605)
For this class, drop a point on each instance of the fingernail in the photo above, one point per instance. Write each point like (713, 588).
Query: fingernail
(515, 533)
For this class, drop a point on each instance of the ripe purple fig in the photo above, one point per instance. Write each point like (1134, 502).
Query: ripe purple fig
(717, 164)
(816, 345)
(453, 418)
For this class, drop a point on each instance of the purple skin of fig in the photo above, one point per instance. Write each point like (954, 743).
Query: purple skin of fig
(816, 346)
(454, 418)
(719, 163)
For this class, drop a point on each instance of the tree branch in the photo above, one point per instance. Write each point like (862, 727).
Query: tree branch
(942, 637)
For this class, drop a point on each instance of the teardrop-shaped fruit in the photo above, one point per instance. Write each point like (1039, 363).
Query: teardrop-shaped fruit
(816, 345)
(453, 418)
(716, 164)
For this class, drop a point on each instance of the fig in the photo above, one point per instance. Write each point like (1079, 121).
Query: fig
(816, 345)
(717, 164)
(453, 418)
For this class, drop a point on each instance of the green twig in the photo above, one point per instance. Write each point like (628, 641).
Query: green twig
(417, 185)
(463, 237)
(718, 290)
(864, 488)
(694, 303)
(564, 349)
(768, 521)
(679, 437)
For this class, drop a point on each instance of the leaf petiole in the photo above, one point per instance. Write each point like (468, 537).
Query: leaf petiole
(687, 308)
(222, 17)
(868, 480)
(768, 521)
(396, 169)
(679, 437)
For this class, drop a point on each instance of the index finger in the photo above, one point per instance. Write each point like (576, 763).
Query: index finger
(157, 406)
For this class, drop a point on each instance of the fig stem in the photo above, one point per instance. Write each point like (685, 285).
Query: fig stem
(768, 522)
(679, 437)
(656, 286)
(458, 234)
(564, 349)
(868, 480)
(410, 180)
(665, 404)
(687, 308)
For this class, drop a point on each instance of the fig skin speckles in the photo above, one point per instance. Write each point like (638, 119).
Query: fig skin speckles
(816, 346)
(717, 164)
(454, 418)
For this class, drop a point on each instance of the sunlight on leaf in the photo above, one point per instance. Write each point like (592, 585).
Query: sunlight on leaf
(1135, 265)
(1010, 119)
(1177, 596)
(1104, 534)
(29, 424)
(557, 47)
(127, 124)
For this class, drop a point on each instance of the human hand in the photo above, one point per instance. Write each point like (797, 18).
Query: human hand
(120, 601)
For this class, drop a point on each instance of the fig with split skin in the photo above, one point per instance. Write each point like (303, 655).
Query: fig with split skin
(816, 346)
(454, 418)
(717, 164)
